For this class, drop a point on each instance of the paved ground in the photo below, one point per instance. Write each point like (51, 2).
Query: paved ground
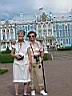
(58, 76)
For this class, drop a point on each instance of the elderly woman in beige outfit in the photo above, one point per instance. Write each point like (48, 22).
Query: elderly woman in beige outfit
(36, 53)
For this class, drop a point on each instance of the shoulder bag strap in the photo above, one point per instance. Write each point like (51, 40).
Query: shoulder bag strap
(32, 48)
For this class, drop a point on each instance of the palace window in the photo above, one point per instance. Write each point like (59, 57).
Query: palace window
(39, 26)
(3, 32)
(44, 26)
(7, 33)
(66, 41)
(12, 33)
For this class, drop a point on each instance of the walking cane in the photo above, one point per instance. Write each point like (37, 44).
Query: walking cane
(44, 77)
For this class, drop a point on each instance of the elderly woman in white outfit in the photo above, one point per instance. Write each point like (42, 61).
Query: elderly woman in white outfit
(21, 71)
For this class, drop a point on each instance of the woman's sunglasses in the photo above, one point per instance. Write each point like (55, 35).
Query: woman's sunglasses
(31, 36)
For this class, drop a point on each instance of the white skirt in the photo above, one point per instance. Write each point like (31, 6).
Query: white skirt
(21, 73)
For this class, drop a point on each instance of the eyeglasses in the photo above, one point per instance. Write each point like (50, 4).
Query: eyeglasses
(31, 36)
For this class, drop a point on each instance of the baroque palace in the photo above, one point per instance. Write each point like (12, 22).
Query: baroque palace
(53, 30)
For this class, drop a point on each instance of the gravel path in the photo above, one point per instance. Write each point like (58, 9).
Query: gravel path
(58, 76)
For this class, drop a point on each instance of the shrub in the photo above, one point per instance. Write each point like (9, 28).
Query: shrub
(65, 48)
(7, 51)
(2, 71)
(6, 58)
(45, 56)
(48, 56)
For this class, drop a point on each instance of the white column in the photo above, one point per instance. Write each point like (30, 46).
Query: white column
(47, 29)
(47, 33)
(6, 44)
(9, 34)
(37, 30)
(13, 33)
(52, 29)
(42, 29)
(10, 46)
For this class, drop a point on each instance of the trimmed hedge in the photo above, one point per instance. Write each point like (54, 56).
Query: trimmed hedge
(48, 56)
(45, 56)
(5, 58)
(7, 51)
(65, 48)
(2, 71)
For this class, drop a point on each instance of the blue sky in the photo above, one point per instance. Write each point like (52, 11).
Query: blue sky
(9, 7)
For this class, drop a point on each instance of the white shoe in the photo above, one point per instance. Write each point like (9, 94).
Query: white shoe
(33, 92)
(43, 92)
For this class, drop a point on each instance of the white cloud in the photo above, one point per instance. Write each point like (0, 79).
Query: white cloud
(39, 3)
(54, 5)
(62, 5)
(29, 6)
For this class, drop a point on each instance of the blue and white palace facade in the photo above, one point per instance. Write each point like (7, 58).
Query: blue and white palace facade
(55, 30)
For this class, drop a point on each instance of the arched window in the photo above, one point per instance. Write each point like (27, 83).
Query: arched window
(11, 30)
(39, 26)
(7, 31)
(44, 26)
(3, 33)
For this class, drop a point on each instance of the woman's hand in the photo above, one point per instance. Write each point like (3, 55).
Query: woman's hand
(17, 57)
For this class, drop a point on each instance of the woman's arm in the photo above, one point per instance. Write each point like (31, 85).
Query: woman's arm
(13, 52)
(30, 59)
